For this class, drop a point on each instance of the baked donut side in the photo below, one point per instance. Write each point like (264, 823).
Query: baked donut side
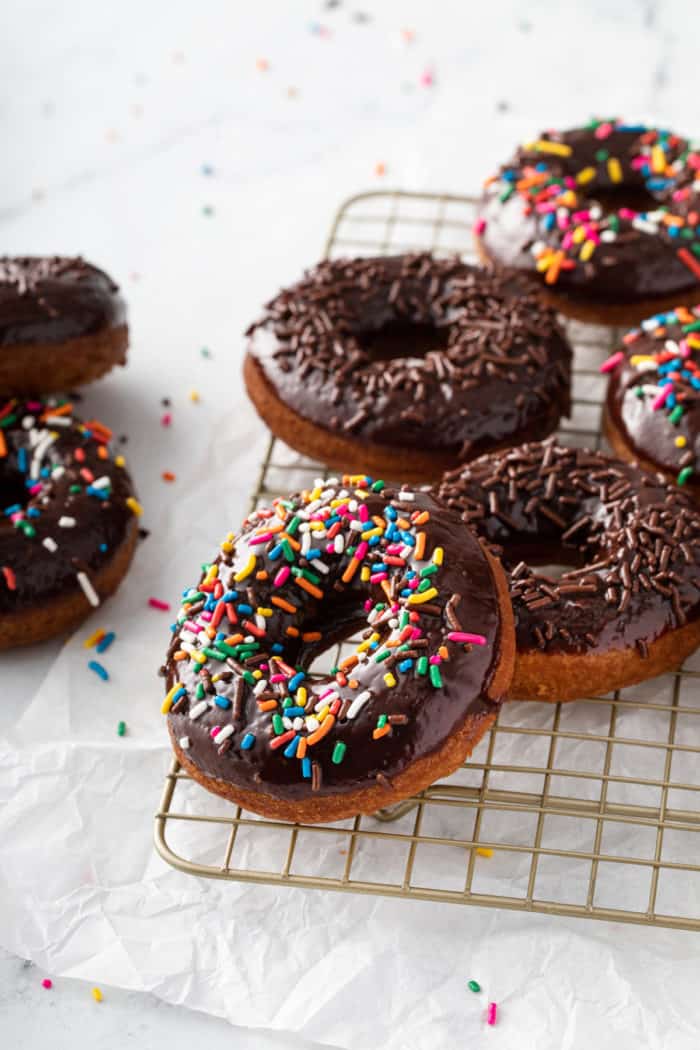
(343, 366)
(605, 218)
(69, 524)
(629, 609)
(252, 722)
(652, 406)
(62, 324)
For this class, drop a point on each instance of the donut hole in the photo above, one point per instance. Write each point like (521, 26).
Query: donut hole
(638, 198)
(396, 339)
(13, 489)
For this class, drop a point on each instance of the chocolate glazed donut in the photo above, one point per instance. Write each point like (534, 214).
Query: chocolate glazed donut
(68, 526)
(608, 216)
(62, 324)
(652, 409)
(630, 609)
(407, 365)
(248, 718)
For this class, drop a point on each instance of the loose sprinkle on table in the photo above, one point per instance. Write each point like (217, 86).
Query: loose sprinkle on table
(474, 986)
(47, 983)
(121, 728)
(99, 670)
(491, 1013)
(158, 603)
(97, 995)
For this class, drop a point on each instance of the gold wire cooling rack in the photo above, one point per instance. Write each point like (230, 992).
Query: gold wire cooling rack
(587, 809)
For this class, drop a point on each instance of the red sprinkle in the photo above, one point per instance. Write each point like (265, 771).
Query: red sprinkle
(156, 603)
(166, 419)
(10, 578)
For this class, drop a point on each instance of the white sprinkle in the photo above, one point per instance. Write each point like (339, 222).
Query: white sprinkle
(352, 505)
(608, 236)
(298, 723)
(102, 483)
(223, 734)
(88, 590)
(28, 422)
(358, 703)
(188, 636)
(50, 544)
(312, 723)
(644, 226)
(199, 709)
(326, 701)
(650, 325)
(339, 543)
(184, 742)
(260, 622)
(406, 497)
(287, 723)
(319, 566)
(58, 421)
(66, 523)
(357, 526)
(305, 541)
(58, 472)
(671, 346)
(260, 687)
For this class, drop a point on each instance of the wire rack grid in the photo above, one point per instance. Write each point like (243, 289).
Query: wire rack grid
(587, 809)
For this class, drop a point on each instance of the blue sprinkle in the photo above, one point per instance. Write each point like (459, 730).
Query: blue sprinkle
(296, 681)
(33, 512)
(99, 670)
(406, 665)
(294, 712)
(277, 648)
(222, 701)
(210, 604)
(45, 472)
(313, 553)
(22, 460)
(230, 596)
(247, 742)
(276, 552)
(549, 220)
(306, 767)
(391, 513)
(245, 609)
(101, 493)
(13, 509)
(673, 231)
(291, 748)
(105, 642)
(103, 548)
(374, 541)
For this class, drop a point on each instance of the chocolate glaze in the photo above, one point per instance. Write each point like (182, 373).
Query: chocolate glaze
(636, 539)
(639, 263)
(41, 574)
(431, 713)
(502, 374)
(53, 299)
(670, 347)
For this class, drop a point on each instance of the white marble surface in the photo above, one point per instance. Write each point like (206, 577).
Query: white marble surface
(108, 114)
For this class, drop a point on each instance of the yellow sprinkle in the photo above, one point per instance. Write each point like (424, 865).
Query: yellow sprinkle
(199, 658)
(97, 995)
(168, 702)
(323, 712)
(586, 251)
(257, 674)
(640, 359)
(658, 159)
(579, 235)
(693, 341)
(484, 852)
(360, 493)
(614, 169)
(135, 506)
(93, 639)
(246, 570)
(194, 395)
(585, 175)
(262, 611)
(301, 696)
(227, 546)
(543, 146)
(438, 554)
(680, 441)
(315, 494)
(119, 461)
(365, 573)
(212, 573)
(390, 680)
(371, 532)
(418, 599)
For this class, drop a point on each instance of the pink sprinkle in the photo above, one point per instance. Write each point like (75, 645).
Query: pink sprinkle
(491, 1013)
(377, 577)
(368, 605)
(214, 730)
(190, 625)
(415, 633)
(612, 362)
(582, 216)
(684, 348)
(34, 406)
(47, 983)
(563, 221)
(282, 575)
(278, 678)
(466, 638)
(362, 549)
(567, 240)
(363, 512)
(479, 227)
(427, 78)
(627, 213)
(166, 419)
(206, 615)
(36, 489)
(260, 539)
(327, 692)
(570, 182)
(660, 399)
(601, 132)
(413, 583)
(435, 659)
(639, 162)
(157, 603)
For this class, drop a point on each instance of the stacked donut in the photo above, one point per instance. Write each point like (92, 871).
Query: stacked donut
(422, 369)
(68, 526)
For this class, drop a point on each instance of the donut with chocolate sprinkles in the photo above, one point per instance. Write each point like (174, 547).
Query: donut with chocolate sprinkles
(629, 608)
(68, 519)
(62, 324)
(407, 365)
(427, 611)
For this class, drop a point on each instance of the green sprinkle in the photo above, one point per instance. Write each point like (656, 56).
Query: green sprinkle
(287, 551)
(424, 585)
(193, 598)
(305, 574)
(383, 655)
(214, 655)
(338, 752)
(639, 391)
(382, 721)
(474, 986)
(199, 691)
(601, 155)
(75, 488)
(429, 570)
(507, 194)
(614, 222)
(403, 619)
(694, 327)
(377, 486)
(675, 416)
(249, 677)
(207, 210)
(687, 233)
(435, 676)
(293, 525)
(205, 351)
(8, 421)
(684, 475)
(26, 528)
(695, 248)
(277, 724)
(422, 665)
(121, 728)
(229, 650)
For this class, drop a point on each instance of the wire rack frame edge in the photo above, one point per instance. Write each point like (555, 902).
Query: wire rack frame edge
(504, 833)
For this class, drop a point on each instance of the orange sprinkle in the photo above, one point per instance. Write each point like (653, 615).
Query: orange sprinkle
(179, 655)
(282, 604)
(443, 652)
(310, 588)
(552, 275)
(322, 731)
(353, 565)
(262, 575)
(267, 705)
(419, 551)
(102, 453)
(301, 749)
(420, 519)
(378, 733)
(293, 632)
(291, 541)
(3, 444)
(353, 683)
(167, 475)
(62, 410)
(276, 527)
(311, 636)
(348, 662)
(234, 639)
